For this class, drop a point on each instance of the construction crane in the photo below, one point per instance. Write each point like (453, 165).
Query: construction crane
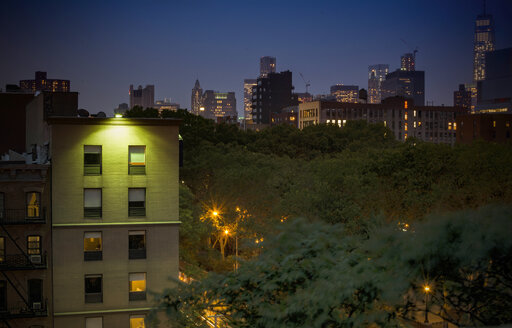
(306, 83)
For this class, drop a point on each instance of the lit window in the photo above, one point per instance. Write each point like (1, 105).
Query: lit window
(493, 124)
(93, 288)
(2, 249)
(507, 124)
(405, 128)
(415, 124)
(449, 125)
(96, 322)
(414, 113)
(454, 125)
(33, 205)
(137, 202)
(137, 321)
(34, 245)
(92, 160)
(405, 116)
(137, 160)
(137, 244)
(137, 286)
(93, 246)
(92, 203)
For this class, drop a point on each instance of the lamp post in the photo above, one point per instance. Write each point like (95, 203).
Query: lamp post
(426, 289)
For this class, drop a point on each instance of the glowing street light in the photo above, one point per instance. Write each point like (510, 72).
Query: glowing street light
(226, 231)
(215, 213)
(426, 289)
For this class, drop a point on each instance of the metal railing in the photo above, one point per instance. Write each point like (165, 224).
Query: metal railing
(19, 216)
(22, 262)
(21, 310)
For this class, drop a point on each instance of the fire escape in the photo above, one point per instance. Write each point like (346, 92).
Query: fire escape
(29, 302)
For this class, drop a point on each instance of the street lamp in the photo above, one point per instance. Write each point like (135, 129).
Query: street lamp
(426, 289)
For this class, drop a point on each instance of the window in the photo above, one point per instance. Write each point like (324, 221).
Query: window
(137, 244)
(92, 246)
(137, 321)
(92, 203)
(2, 249)
(2, 206)
(94, 322)
(93, 288)
(92, 160)
(34, 245)
(137, 285)
(35, 294)
(137, 160)
(137, 202)
(33, 204)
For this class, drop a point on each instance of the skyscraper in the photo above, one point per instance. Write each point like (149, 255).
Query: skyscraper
(144, 97)
(376, 74)
(196, 101)
(408, 84)
(408, 62)
(248, 85)
(483, 43)
(462, 97)
(219, 104)
(267, 65)
(271, 95)
(345, 93)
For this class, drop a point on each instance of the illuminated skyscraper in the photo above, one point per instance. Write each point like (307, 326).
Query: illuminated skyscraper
(267, 65)
(219, 104)
(345, 93)
(483, 43)
(408, 62)
(462, 97)
(196, 101)
(376, 74)
(248, 85)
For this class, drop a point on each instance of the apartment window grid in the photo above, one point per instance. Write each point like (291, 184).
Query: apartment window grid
(137, 286)
(92, 160)
(34, 245)
(137, 160)
(92, 202)
(137, 202)
(93, 246)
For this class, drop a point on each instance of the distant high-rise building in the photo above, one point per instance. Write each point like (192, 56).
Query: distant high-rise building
(267, 65)
(219, 104)
(144, 97)
(474, 94)
(271, 94)
(495, 91)
(408, 62)
(408, 84)
(345, 93)
(376, 74)
(462, 97)
(483, 43)
(196, 101)
(41, 83)
(248, 85)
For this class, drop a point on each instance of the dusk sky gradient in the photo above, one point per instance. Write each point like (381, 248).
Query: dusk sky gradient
(104, 46)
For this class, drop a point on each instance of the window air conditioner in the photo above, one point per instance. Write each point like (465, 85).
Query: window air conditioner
(35, 259)
(36, 306)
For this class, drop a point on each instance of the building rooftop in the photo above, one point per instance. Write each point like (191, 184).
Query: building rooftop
(113, 121)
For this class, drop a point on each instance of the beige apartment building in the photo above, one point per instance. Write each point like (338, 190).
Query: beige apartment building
(115, 218)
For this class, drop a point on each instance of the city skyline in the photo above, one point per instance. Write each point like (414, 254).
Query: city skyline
(172, 56)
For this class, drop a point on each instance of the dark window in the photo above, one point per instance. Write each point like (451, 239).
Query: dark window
(93, 288)
(137, 244)
(3, 295)
(35, 293)
(34, 245)
(33, 204)
(92, 160)
(136, 202)
(137, 160)
(93, 248)
(2, 249)
(2, 205)
(92, 203)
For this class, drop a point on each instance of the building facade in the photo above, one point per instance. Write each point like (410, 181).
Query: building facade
(25, 245)
(345, 93)
(408, 62)
(483, 42)
(144, 97)
(271, 95)
(428, 123)
(462, 97)
(493, 127)
(12, 120)
(219, 104)
(407, 84)
(115, 218)
(196, 99)
(267, 65)
(248, 85)
(42, 83)
(376, 74)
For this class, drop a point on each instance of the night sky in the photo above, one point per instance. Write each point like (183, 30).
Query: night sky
(104, 46)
